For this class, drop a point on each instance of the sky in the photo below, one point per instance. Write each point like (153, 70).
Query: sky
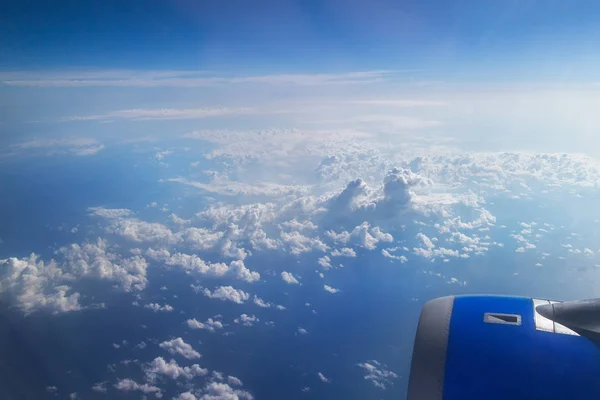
(253, 200)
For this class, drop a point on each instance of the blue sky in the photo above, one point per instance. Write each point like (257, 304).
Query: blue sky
(465, 39)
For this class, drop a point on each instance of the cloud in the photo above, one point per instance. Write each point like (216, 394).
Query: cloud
(289, 278)
(377, 373)
(185, 396)
(157, 307)
(140, 114)
(109, 213)
(302, 331)
(178, 346)
(172, 370)
(388, 254)
(227, 293)
(222, 391)
(363, 235)
(129, 385)
(210, 324)
(233, 381)
(330, 289)
(34, 284)
(246, 320)
(323, 378)
(231, 188)
(71, 146)
(100, 387)
(397, 102)
(193, 263)
(344, 252)
(261, 303)
(166, 78)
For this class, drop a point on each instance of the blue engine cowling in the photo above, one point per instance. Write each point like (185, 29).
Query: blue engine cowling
(494, 347)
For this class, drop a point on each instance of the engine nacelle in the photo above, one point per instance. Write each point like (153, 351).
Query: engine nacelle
(495, 347)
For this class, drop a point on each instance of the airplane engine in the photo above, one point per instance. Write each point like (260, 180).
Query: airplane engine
(496, 347)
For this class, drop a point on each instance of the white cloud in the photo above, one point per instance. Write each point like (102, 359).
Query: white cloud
(185, 396)
(227, 293)
(299, 243)
(377, 373)
(261, 303)
(178, 346)
(323, 378)
(109, 213)
(363, 235)
(226, 187)
(129, 385)
(179, 78)
(100, 387)
(222, 391)
(157, 307)
(72, 146)
(233, 381)
(141, 114)
(388, 254)
(193, 263)
(302, 331)
(324, 262)
(330, 289)
(246, 320)
(343, 252)
(289, 278)
(34, 284)
(210, 324)
(172, 370)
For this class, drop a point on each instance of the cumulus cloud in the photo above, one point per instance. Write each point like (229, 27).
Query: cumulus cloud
(179, 347)
(157, 307)
(363, 235)
(343, 252)
(246, 320)
(388, 253)
(195, 264)
(34, 284)
(261, 303)
(222, 391)
(227, 293)
(185, 396)
(330, 289)
(129, 385)
(100, 387)
(210, 324)
(302, 331)
(233, 381)
(159, 367)
(323, 378)
(377, 373)
(289, 278)
(109, 213)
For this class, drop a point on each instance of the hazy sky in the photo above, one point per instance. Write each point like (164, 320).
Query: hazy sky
(513, 75)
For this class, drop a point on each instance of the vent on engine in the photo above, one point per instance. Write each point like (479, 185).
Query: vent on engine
(498, 318)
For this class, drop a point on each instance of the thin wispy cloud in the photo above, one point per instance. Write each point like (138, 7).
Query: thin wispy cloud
(75, 146)
(397, 102)
(133, 78)
(142, 114)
